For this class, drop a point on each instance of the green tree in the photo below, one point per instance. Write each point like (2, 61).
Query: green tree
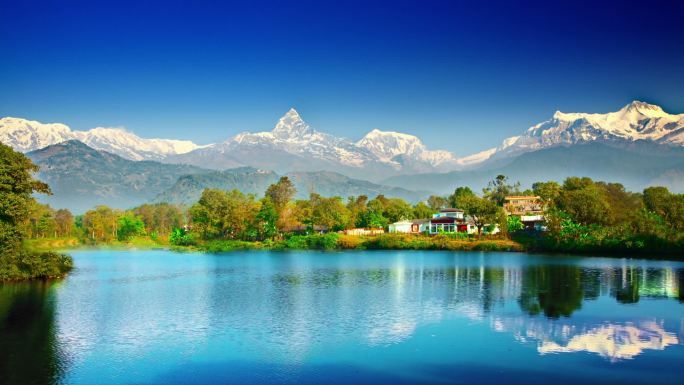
(357, 208)
(267, 218)
(280, 193)
(16, 188)
(225, 215)
(421, 210)
(64, 222)
(669, 206)
(437, 202)
(499, 188)
(129, 226)
(548, 192)
(482, 211)
(460, 193)
(514, 223)
(585, 202)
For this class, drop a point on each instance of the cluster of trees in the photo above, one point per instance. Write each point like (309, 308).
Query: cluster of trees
(586, 214)
(102, 224)
(233, 215)
(17, 186)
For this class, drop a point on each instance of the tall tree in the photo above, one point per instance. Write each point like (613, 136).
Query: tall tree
(460, 193)
(497, 189)
(280, 193)
(64, 221)
(267, 218)
(482, 211)
(16, 188)
(437, 202)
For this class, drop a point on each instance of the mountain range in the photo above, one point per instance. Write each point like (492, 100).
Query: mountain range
(293, 145)
(638, 145)
(81, 178)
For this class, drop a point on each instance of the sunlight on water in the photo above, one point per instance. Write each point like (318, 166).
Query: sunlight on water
(363, 317)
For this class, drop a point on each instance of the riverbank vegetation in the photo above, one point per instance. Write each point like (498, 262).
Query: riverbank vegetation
(16, 188)
(586, 216)
(581, 215)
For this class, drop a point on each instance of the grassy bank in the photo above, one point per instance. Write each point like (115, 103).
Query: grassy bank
(335, 241)
(633, 246)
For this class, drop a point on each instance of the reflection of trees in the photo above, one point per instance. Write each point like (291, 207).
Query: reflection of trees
(627, 281)
(28, 352)
(555, 290)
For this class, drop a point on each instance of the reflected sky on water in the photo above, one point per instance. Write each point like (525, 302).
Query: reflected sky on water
(153, 317)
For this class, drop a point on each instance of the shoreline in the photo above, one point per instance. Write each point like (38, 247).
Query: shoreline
(318, 242)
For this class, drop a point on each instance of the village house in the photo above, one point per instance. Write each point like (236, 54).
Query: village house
(410, 226)
(448, 220)
(529, 208)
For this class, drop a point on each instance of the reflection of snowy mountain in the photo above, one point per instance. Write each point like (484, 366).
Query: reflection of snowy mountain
(612, 341)
(615, 342)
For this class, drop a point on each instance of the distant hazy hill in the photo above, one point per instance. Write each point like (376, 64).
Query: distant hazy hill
(81, 177)
(188, 188)
(639, 165)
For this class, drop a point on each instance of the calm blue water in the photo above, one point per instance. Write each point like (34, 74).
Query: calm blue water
(158, 317)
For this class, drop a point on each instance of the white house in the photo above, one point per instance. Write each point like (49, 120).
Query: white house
(409, 226)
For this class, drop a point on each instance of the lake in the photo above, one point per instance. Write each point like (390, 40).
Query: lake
(160, 317)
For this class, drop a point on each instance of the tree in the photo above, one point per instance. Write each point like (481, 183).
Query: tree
(498, 189)
(101, 223)
(421, 210)
(330, 213)
(357, 207)
(515, 223)
(397, 209)
(437, 202)
(129, 226)
(586, 202)
(482, 211)
(460, 193)
(225, 215)
(548, 192)
(267, 217)
(64, 221)
(16, 188)
(669, 206)
(280, 193)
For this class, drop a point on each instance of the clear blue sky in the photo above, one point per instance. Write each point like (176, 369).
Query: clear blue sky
(462, 76)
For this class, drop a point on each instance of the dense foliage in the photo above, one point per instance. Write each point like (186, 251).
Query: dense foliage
(16, 201)
(585, 215)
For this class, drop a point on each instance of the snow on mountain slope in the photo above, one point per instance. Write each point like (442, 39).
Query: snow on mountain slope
(635, 121)
(387, 145)
(293, 135)
(28, 135)
(312, 149)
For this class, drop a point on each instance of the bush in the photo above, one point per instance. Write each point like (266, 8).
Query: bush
(180, 237)
(28, 265)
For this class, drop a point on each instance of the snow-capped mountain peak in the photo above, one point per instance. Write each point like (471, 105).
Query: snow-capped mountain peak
(291, 126)
(388, 144)
(635, 121)
(28, 135)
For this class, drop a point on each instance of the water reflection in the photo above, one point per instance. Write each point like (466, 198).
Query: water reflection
(615, 342)
(152, 313)
(28, 344)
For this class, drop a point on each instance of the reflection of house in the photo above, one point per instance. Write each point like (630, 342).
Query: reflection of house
(363, 231)
(413, 226)
(529, 208)
(448, 220)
